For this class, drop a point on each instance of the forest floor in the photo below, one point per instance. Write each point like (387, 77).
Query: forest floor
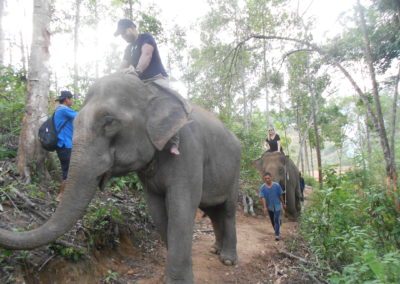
(138, 256)
(261, 259)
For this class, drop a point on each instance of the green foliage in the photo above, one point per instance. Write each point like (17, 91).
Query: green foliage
(5, 254)
(8, 260)
(12, 100)
(101, 214)
(150, 24)
(101, 221)
(68, 253)
(252, 144)
(354, 229)
(111, 277)
(129, 182)
(310, 181)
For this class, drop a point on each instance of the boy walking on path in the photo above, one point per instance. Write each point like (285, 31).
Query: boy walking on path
(271, 195)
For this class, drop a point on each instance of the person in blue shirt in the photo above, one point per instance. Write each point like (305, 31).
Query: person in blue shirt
(142, 58)
(272, 200)
(63, 120)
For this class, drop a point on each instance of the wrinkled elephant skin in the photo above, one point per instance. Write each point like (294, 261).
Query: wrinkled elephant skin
(124, 126)
(280, 166)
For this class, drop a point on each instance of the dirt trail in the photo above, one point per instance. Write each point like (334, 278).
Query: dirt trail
(256, 252)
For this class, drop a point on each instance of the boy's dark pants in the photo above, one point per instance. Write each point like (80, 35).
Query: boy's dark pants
(275, 221)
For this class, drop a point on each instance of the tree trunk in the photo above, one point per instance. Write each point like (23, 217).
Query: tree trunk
(394, 114)
(245, 105)
(312, 161)
(96, 39)
(340, 156)
(266, 85)
(302, 160)
(368, 133)
(2, 2)
(360, 139)
(306, 157)
(130, 10)
(76, 44)
(314, 107)
(393, 132)
(30, 154)
(317, 143)
(23, 56)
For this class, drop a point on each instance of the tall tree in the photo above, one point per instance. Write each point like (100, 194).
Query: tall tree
(2, 4)
(378, 117)
(313, 93)
(76, 43)
(30, 154)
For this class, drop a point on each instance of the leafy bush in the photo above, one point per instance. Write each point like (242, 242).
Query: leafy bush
(355, 230)
(68, 253)
(101, 221)
(130, 182)
(310, 181)
(12, 100)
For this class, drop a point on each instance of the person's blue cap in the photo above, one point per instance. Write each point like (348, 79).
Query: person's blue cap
(64, 95)
(123, 25)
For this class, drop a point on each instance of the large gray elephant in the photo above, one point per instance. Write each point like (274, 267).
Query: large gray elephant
(124, 126)
(284, 172)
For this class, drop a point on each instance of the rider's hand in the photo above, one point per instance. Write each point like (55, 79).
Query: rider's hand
(129, 70)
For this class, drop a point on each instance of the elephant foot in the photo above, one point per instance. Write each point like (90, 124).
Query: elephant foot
(215, 249)
(228, 259)
(228, 262)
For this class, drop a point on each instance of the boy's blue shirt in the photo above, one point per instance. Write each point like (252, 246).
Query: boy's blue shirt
(63, 114)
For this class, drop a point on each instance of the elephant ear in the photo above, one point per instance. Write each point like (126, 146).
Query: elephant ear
(166, 114)
(258, 164)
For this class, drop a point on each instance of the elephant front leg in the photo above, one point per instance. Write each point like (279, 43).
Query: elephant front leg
(181, 213)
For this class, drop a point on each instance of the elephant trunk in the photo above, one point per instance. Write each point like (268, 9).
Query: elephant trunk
(78, 194)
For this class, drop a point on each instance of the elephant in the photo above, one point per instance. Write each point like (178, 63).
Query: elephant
(281, 166)
(124, 126)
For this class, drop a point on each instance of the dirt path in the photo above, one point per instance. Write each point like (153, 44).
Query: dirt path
(256, 251)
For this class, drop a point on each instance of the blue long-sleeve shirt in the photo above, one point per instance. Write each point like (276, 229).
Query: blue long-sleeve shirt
(64, 114)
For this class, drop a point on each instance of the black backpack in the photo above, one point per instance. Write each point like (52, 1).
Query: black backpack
(48, 134)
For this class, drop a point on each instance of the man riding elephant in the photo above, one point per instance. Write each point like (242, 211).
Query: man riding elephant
(141, 58)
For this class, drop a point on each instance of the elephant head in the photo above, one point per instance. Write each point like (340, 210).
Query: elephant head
(121, 125)
(284, 172)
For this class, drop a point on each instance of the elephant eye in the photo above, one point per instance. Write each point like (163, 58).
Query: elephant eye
(111, 125)
(108, 120)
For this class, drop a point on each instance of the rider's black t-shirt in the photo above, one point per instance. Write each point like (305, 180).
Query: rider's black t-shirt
(133, 53)
(273, 144)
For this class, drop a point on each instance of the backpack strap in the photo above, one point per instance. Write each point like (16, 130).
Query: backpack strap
(62, 126)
